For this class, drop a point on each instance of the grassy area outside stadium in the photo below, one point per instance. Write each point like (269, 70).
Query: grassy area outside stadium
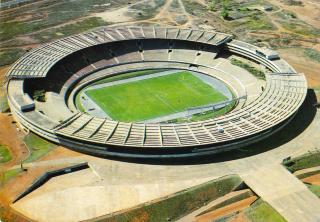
(154, 97)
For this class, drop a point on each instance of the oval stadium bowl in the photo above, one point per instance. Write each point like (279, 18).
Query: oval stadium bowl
(43, 86)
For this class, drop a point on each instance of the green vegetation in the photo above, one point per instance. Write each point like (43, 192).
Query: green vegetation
(242, 15)
(302, 29)
(289, 21)
(303, 175)
(5, 154)
(48, 14)
(303, 162)
(12, 29)
(197, 9)
(9, 56)
(259, 23)
(39, 95)
(145, 9)
(285, 15)
(232, 200)
(254, 71)
(37, 146)
(225, 9)
(314, 189)
(212, 5)
(282, 42)
(291, 14)
(78, 102)
(312, 54)
(243, 9)
(9, 174)
(295, 26)
(178, 204)
(293, 2)
(174, 5)
(262, 211)
(66, 30)
(4, 106)
(150, 98)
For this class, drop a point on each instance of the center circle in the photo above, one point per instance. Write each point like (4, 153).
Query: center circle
(156, 96)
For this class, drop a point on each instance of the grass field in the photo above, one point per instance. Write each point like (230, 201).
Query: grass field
(38, 147)
(150, 98)
(262, 211)
(314, 189)
(302, 162)
(115, 78)
(5, 155)
(8, 175)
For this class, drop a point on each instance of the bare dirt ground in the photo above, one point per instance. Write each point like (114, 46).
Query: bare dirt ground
(165, 16)
(118, 15)
(302, 64)
(3, 71)
(314, 179)
(309, 11)
(240, 217)
(11, 137)
(235, 207)
(14, 187)
(17, 185)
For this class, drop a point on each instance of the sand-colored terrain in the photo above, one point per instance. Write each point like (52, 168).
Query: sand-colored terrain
(3, 71)
(235, 207)
(309, 11)
(110, 186)
(314, 179)
(11, 136)
(117, 15)
(94, 192)
(165, 15)
(310, 68)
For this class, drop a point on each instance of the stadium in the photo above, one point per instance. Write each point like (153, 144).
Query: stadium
(153, 92)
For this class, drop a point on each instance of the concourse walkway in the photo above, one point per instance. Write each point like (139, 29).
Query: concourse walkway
(284, 192)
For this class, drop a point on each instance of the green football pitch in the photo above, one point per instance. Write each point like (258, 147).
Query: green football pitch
(154, 97)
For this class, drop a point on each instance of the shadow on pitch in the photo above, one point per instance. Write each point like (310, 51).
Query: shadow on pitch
(298, 124)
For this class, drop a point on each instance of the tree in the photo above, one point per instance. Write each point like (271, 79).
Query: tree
(224, 13)
(212, 5)
(225, 9)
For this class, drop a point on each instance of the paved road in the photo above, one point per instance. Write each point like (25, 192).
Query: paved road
(284, 192)
(122, 185)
